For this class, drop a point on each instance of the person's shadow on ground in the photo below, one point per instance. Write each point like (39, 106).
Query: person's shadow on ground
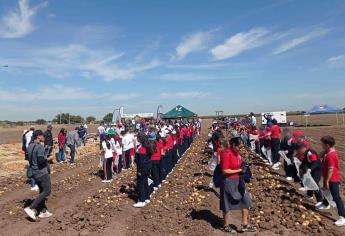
(208, 216)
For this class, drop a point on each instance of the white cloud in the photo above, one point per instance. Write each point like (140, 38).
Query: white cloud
(182, 95)
(183, 77)
(240, 43)
(292, 43)
(193, 43)
(78, 60)
(337, 61)
(59, 93)
(19, 22)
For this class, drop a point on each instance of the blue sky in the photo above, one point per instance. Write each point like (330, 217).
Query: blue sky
(88, 57)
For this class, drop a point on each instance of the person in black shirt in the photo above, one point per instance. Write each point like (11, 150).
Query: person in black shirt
(48, 140)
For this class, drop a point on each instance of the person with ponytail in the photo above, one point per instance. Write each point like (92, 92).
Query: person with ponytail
(156, 157)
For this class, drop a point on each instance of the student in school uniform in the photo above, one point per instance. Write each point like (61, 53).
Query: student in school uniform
(156, 157)
(119, 152)
(169, 151)
(108, 159)
(144, 165)
(128, 142)
(275, 143)
(287, 147)
(310, 162)
(331, 177)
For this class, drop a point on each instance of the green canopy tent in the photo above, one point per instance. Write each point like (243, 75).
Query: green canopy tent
(179, 112)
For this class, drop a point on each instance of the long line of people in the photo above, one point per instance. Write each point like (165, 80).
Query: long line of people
(301, 163)
(155, 149)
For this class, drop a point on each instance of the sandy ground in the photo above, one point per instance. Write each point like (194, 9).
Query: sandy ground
(185, 205)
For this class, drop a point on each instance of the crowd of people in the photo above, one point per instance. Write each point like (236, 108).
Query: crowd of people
(155, 148)
(271, 144)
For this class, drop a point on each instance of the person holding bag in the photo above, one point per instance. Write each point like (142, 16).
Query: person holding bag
(231, 197)
(310, 161)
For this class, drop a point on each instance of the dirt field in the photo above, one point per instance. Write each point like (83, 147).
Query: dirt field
(82, 205)
(318, 119)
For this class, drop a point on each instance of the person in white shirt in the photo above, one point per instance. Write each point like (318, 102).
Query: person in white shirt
(253, 119)
(128, 142)
(101, 133)
(108, 159)
(28, 136)
(118, 150)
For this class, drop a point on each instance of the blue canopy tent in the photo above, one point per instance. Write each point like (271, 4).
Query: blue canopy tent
(324, 109)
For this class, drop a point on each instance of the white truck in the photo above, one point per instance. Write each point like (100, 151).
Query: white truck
(280, 116)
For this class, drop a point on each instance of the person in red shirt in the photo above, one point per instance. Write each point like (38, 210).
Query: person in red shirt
(275, 144)
(331, 177)
(156, 157)
(169, 152)
(312, 163)
(231, 198)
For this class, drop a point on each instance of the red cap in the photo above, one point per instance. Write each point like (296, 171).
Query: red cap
(297, 133)
(306, 143)
(117, 136)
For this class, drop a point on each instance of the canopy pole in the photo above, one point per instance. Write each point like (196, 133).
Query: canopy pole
(343, 119)
(337, 118)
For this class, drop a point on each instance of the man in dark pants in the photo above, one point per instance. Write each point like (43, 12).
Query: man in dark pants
(48, 140)
(332, 177)
(39, 162)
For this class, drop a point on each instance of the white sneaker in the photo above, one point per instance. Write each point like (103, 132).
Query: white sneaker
(46, 214)
(276, 165)
(139, 204)
(155, 188)
(30, 212)
(35, 188)
(159, 186)
(275, 168)
(302, 189)
(289, 178)
(323, 207)
(147, 201)
(340, 222)
(211, 185)
(317, 205)
(105, 181)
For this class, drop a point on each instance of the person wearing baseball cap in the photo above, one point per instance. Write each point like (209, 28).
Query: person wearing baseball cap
(312, 163)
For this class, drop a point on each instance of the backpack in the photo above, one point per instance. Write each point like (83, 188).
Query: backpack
(217, 176)
(24, 141)
(247, 174)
